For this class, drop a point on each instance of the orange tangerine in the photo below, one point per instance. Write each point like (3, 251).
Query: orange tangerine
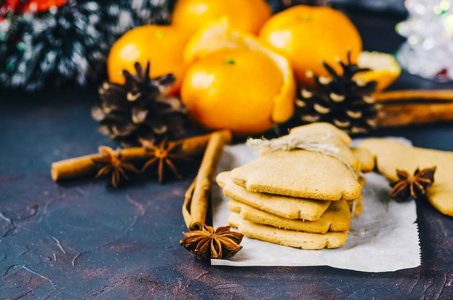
(310, 35)
(248, 15)
(161, 45)
(235, 81)
(232, 89)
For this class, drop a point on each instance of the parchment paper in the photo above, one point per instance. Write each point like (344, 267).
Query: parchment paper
(383, 238)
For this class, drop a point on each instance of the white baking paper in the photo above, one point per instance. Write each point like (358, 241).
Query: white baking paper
(383, 238)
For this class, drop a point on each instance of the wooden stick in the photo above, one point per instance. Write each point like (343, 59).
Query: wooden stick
(197, 195)
(83, 166)
(414, 95)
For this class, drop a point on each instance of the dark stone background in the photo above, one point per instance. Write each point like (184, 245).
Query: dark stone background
(82, 239)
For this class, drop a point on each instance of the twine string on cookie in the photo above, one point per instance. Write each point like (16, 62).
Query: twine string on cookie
(292, 142)
(308, 142)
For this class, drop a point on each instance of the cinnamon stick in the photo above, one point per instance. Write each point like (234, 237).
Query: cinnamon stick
(196, 145)
(187, 202)
(74, 167)
(407, 107)
(414, 96)
(409, 114)
(83, 165)
(196, 198)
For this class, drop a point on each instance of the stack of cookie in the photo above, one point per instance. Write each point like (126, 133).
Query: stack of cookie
(299, 198)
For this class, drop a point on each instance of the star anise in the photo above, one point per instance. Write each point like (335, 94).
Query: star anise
(206, 243)
(112, 163)
(412, 187)
(163, 155)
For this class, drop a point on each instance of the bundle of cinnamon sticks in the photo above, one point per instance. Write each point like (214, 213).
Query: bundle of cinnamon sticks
(196, 199)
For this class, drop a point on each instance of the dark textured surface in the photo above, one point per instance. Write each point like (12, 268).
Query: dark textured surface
(82, 239)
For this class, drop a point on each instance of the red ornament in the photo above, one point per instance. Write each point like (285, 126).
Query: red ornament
(15, 6)
(42, 5)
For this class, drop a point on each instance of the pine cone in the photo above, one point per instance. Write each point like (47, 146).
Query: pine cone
(139, 109)
(340, 99)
